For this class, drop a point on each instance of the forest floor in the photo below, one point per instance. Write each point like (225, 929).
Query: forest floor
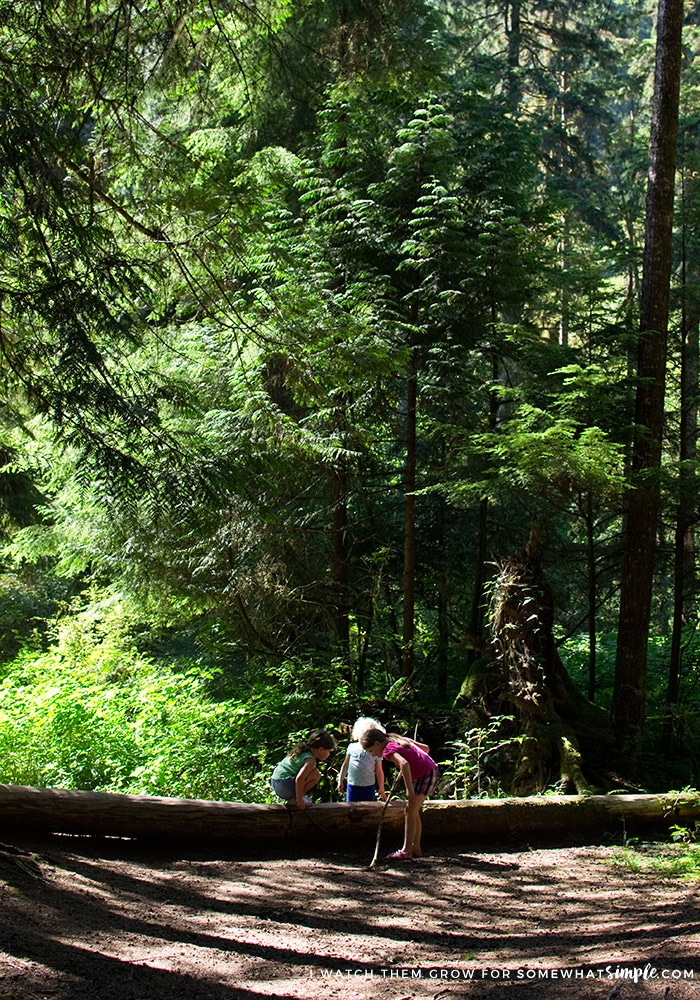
(106, 919)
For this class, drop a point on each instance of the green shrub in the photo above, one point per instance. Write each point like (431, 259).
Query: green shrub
(93, 714)
(473, 769)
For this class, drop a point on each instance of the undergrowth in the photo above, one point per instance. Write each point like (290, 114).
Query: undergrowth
(91, 713)
(87, 709)
(678, 859)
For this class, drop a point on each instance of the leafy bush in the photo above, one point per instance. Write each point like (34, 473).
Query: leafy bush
(91, 713)
(26, 602)
(473, 769)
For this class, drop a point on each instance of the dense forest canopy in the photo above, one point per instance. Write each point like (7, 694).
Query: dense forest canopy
(321, 328)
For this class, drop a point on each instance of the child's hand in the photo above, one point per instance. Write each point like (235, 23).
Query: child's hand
(382, 796)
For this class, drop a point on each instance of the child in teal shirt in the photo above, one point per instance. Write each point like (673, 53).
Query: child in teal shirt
(298, 773)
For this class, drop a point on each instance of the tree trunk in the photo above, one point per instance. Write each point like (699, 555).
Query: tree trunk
(511, 17)
(340, 559)
(628, 707)
(592, 595)
(409, 552)
(476, 617)
(443, 603)
(563, 735)
(684, 575)
(243, 825)
(563, 740)
(684, 582)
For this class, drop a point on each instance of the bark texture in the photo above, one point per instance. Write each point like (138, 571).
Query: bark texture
(558, 739)
(247, 825)
(629, 694)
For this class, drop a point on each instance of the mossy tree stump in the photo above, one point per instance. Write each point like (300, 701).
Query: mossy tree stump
(563, 741)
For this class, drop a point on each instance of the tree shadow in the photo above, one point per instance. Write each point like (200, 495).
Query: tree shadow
(295, 919)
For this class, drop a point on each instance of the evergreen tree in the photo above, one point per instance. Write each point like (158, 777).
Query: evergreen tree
(637, 572)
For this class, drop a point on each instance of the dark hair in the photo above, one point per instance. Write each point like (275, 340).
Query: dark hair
(316, 740)
(372, 736)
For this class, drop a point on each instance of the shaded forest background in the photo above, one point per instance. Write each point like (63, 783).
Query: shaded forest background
(321, 338)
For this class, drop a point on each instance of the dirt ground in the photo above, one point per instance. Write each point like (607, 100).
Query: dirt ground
(108, 919)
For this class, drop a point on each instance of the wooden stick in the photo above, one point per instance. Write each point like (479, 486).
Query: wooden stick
(381, 821)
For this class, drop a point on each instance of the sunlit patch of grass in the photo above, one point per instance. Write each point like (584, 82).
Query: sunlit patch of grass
(680, 859)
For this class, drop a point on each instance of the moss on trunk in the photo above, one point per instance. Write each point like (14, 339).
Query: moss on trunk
(565, 740)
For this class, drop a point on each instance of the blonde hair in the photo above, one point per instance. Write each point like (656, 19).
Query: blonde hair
(363, 725)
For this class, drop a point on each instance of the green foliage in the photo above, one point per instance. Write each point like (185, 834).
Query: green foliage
(679, 859)
(574, 651)
(682, 720)
(91, 713)
(544, 455)
(27, 603)
(473, 769)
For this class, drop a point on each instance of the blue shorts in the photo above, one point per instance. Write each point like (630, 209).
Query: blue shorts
(360, 793)
(425, 785)
(284, 788)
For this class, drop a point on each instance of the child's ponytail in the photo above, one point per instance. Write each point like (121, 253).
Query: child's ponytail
(400, 739)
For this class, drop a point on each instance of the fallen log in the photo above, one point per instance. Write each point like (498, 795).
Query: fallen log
(247, 825)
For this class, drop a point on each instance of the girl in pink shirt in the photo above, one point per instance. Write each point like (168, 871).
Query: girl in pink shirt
(420, 774)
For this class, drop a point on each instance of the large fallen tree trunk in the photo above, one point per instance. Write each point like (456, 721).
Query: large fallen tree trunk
(245, 825)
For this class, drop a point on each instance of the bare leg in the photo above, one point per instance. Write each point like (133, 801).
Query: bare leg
(417, 835)
(412, 825)
(312, 779)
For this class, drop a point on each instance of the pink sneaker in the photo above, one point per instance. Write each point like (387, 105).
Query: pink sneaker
(399, 856)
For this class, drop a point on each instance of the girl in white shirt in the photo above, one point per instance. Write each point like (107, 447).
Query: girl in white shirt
(362, 771)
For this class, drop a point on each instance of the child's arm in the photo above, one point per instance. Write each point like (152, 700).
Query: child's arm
(341, 775)
(300, 780)
(405, 769)
(379, 775)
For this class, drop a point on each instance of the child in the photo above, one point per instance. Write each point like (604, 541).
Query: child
(362, 769)
(298, 773)
(420, 774)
